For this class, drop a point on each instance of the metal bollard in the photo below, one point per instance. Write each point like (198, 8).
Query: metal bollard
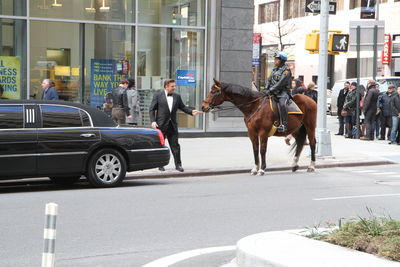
(49, 235)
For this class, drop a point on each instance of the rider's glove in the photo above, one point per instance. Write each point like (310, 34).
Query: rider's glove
(267, 92)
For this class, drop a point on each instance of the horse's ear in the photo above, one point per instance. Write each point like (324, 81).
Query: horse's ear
(216, 82)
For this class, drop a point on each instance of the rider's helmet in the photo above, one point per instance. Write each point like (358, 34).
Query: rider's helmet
(281, 55)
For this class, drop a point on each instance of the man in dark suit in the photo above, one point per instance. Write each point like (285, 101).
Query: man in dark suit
(49, 93)
(166, 103)
(340, 103)
(370, 108)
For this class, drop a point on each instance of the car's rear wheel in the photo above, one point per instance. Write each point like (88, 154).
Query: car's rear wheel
(107, 168)
(67, 180)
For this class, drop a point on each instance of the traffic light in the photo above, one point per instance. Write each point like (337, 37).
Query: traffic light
(338, 43)
(312, 42)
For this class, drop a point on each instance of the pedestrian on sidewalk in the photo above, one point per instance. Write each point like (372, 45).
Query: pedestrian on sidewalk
(349, 108)
(297, 87)
(340, 102)
(370, 109)
(49, 92)
(311, 92)
(395, 110)
(132, 95)
(385, 114)
(120, 107)
(163, 110)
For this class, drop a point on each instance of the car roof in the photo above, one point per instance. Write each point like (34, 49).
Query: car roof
(99, 118)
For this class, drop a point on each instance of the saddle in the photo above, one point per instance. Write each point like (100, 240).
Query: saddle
(291, 108)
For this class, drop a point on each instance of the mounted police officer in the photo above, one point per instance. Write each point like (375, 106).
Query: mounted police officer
(278, 84)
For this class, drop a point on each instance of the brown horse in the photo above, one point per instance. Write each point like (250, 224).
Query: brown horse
(260, 118)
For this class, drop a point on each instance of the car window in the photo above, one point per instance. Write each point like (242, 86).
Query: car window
(11, 117)
(60, 116)
(85, 119)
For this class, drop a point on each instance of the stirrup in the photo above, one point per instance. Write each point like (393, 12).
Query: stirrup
(281, 128)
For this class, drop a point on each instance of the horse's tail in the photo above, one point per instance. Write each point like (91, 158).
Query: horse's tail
(300, 136)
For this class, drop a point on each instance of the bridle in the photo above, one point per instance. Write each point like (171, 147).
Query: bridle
(218, 108)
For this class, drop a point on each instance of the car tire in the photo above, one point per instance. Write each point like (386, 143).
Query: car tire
(67, 180)
(106, 168)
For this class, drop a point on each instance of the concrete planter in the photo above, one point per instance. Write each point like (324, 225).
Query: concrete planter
(289, 249)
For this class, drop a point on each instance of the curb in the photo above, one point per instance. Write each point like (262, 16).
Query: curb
(209, 172)
(288, 249)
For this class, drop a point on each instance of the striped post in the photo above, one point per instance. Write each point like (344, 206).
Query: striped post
(49, 235)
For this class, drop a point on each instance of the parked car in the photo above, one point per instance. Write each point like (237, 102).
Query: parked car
(384, 82)
(63, 140)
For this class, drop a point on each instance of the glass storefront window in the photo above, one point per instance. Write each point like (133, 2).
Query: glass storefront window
(102, 10)
(13, 8)
(55, 55)
(13, 58)
(109, 57)
(171, 53)
(172, 12)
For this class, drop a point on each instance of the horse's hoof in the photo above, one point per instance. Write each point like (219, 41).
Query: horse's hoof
(253, 173)
(295, 168)
(260, 173)
(310, 170)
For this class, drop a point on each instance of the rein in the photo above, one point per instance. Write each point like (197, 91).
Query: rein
(218, 108)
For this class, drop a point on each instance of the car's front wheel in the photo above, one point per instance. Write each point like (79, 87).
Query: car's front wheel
(107, 168)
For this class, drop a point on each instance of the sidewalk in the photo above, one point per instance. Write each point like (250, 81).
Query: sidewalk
(210, 156)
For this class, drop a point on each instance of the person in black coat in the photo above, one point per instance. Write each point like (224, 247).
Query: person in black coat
(340, 102)
(370, 108)
(395, 111)
(163, 110)
(386, 115)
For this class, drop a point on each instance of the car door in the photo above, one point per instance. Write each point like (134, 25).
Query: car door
(64, 139)
(18, 140)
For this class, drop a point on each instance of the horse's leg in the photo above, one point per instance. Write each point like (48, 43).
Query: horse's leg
(263, 152)
(312, 141)
(254, 140)
(300, 137)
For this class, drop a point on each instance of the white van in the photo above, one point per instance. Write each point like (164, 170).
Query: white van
(384, 82)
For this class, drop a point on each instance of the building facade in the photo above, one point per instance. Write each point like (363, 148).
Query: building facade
(87, 46)
(285, 23)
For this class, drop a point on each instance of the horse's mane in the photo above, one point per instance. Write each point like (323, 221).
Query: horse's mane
(239, 90)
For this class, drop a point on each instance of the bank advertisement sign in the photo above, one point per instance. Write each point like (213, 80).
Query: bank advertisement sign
(103, 79)
(186, 78)
(10, 77)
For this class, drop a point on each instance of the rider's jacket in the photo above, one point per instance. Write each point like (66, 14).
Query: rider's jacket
(279, 80)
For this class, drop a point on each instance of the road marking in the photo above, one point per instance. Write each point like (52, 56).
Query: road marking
(383, 173)
(365, 171)
(394, 176)
(172, 259)
(360, 196)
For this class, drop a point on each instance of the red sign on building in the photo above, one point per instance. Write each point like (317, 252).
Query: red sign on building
(387, 49)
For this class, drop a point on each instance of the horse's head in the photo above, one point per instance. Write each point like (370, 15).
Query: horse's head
(214, 98)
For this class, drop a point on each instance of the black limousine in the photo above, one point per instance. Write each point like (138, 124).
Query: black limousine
(64, 140)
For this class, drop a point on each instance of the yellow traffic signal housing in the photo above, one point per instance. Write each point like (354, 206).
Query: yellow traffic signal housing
(312, 41)
(338, 43)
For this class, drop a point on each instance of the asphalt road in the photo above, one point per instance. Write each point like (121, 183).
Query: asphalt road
(145, 220)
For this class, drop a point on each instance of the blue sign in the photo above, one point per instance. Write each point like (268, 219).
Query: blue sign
(186, 78)
(103, 79)
(256, 62)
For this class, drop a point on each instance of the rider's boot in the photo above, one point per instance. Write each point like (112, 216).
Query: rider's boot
(284, 117)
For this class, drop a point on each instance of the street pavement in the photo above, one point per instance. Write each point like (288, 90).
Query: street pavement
(205, 156)
(148, 219)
